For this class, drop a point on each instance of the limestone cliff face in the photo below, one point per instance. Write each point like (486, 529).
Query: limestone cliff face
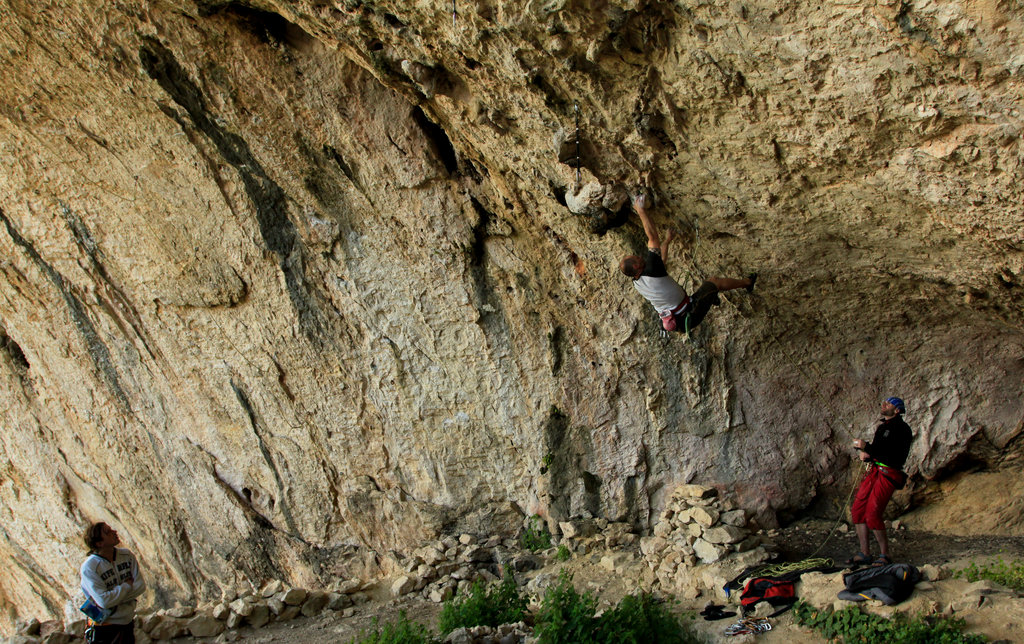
(282, 282)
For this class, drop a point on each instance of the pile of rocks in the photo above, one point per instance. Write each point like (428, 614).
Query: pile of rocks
(583, 535)
(701, 541)
(448, 566)
(33, 631)
(275, 602)
(504, 634)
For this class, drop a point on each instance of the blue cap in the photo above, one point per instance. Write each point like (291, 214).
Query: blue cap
(897, 403)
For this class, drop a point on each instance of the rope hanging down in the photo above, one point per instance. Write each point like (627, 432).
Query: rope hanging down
(576, 109)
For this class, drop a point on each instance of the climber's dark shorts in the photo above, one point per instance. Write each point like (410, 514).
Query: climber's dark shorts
(701, 302)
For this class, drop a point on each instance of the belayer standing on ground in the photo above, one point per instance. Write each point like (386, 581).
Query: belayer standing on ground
(112, 580)
(886, 454)
(678, 311)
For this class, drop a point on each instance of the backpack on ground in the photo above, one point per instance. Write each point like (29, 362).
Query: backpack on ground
(777, 592)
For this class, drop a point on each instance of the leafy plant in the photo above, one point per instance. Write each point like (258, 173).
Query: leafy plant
(535, 536)
(641, 619)
(1009, 574)
(483, 606)
(401, 632)
(566, 615)
(854, 625)
(563, 553)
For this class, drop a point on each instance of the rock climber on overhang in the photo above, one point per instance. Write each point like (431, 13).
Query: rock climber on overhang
(678, 311)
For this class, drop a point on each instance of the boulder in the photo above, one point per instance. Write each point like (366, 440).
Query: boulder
(272, 588)
(167, 628)
(293, 596)
(403, 585)
(477, 554)
(578, 528)
(651, 546)
(241, 606)
(724, 534)
(706, 517)
(75, 628)
(616, 561)
(694, 492)
(315, 603)
(350, 586)
(203, 625)
(259, 616)
(736, 518)
(180, 610)
(708, 552)
(221, 611)
(234, 620)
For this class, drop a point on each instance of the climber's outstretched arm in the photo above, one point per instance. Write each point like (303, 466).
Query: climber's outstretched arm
(653, 239)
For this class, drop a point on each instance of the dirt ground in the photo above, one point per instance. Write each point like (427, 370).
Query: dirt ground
(796, 542)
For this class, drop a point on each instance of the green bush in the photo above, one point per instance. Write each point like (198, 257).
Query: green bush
(536, 536)
(483, 606)
(401, 632)
(567, 616)
(854, 625)
(1007, 574)
(641, 619)
(563, 553)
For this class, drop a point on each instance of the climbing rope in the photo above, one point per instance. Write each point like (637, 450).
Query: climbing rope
(576, 109)
(807, 378)
(777, 570)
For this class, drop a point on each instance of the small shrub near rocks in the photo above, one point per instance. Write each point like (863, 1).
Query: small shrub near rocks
(642, 619)
(563, 553)
(401, 632)
(483, 606)
(535, 535)
(567, 616)
(1010, 574)
(854, 625)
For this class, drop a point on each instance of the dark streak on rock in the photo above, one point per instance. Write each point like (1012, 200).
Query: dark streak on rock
(277, 230)
(43, 587)
(556, 345)
(98, 352)
(11, 348)
(493, 321)
(124, 307)
(439, 140)
(335, 156)
(254, 422)
(269, 27)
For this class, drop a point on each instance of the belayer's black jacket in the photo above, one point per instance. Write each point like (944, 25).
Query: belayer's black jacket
(891, 443)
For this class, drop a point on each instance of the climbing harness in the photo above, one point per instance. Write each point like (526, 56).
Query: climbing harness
(749, 625)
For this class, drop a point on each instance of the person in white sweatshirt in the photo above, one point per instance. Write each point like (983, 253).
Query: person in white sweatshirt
(112, 580)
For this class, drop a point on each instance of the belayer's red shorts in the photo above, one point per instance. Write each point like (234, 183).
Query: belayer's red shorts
(872, 496)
